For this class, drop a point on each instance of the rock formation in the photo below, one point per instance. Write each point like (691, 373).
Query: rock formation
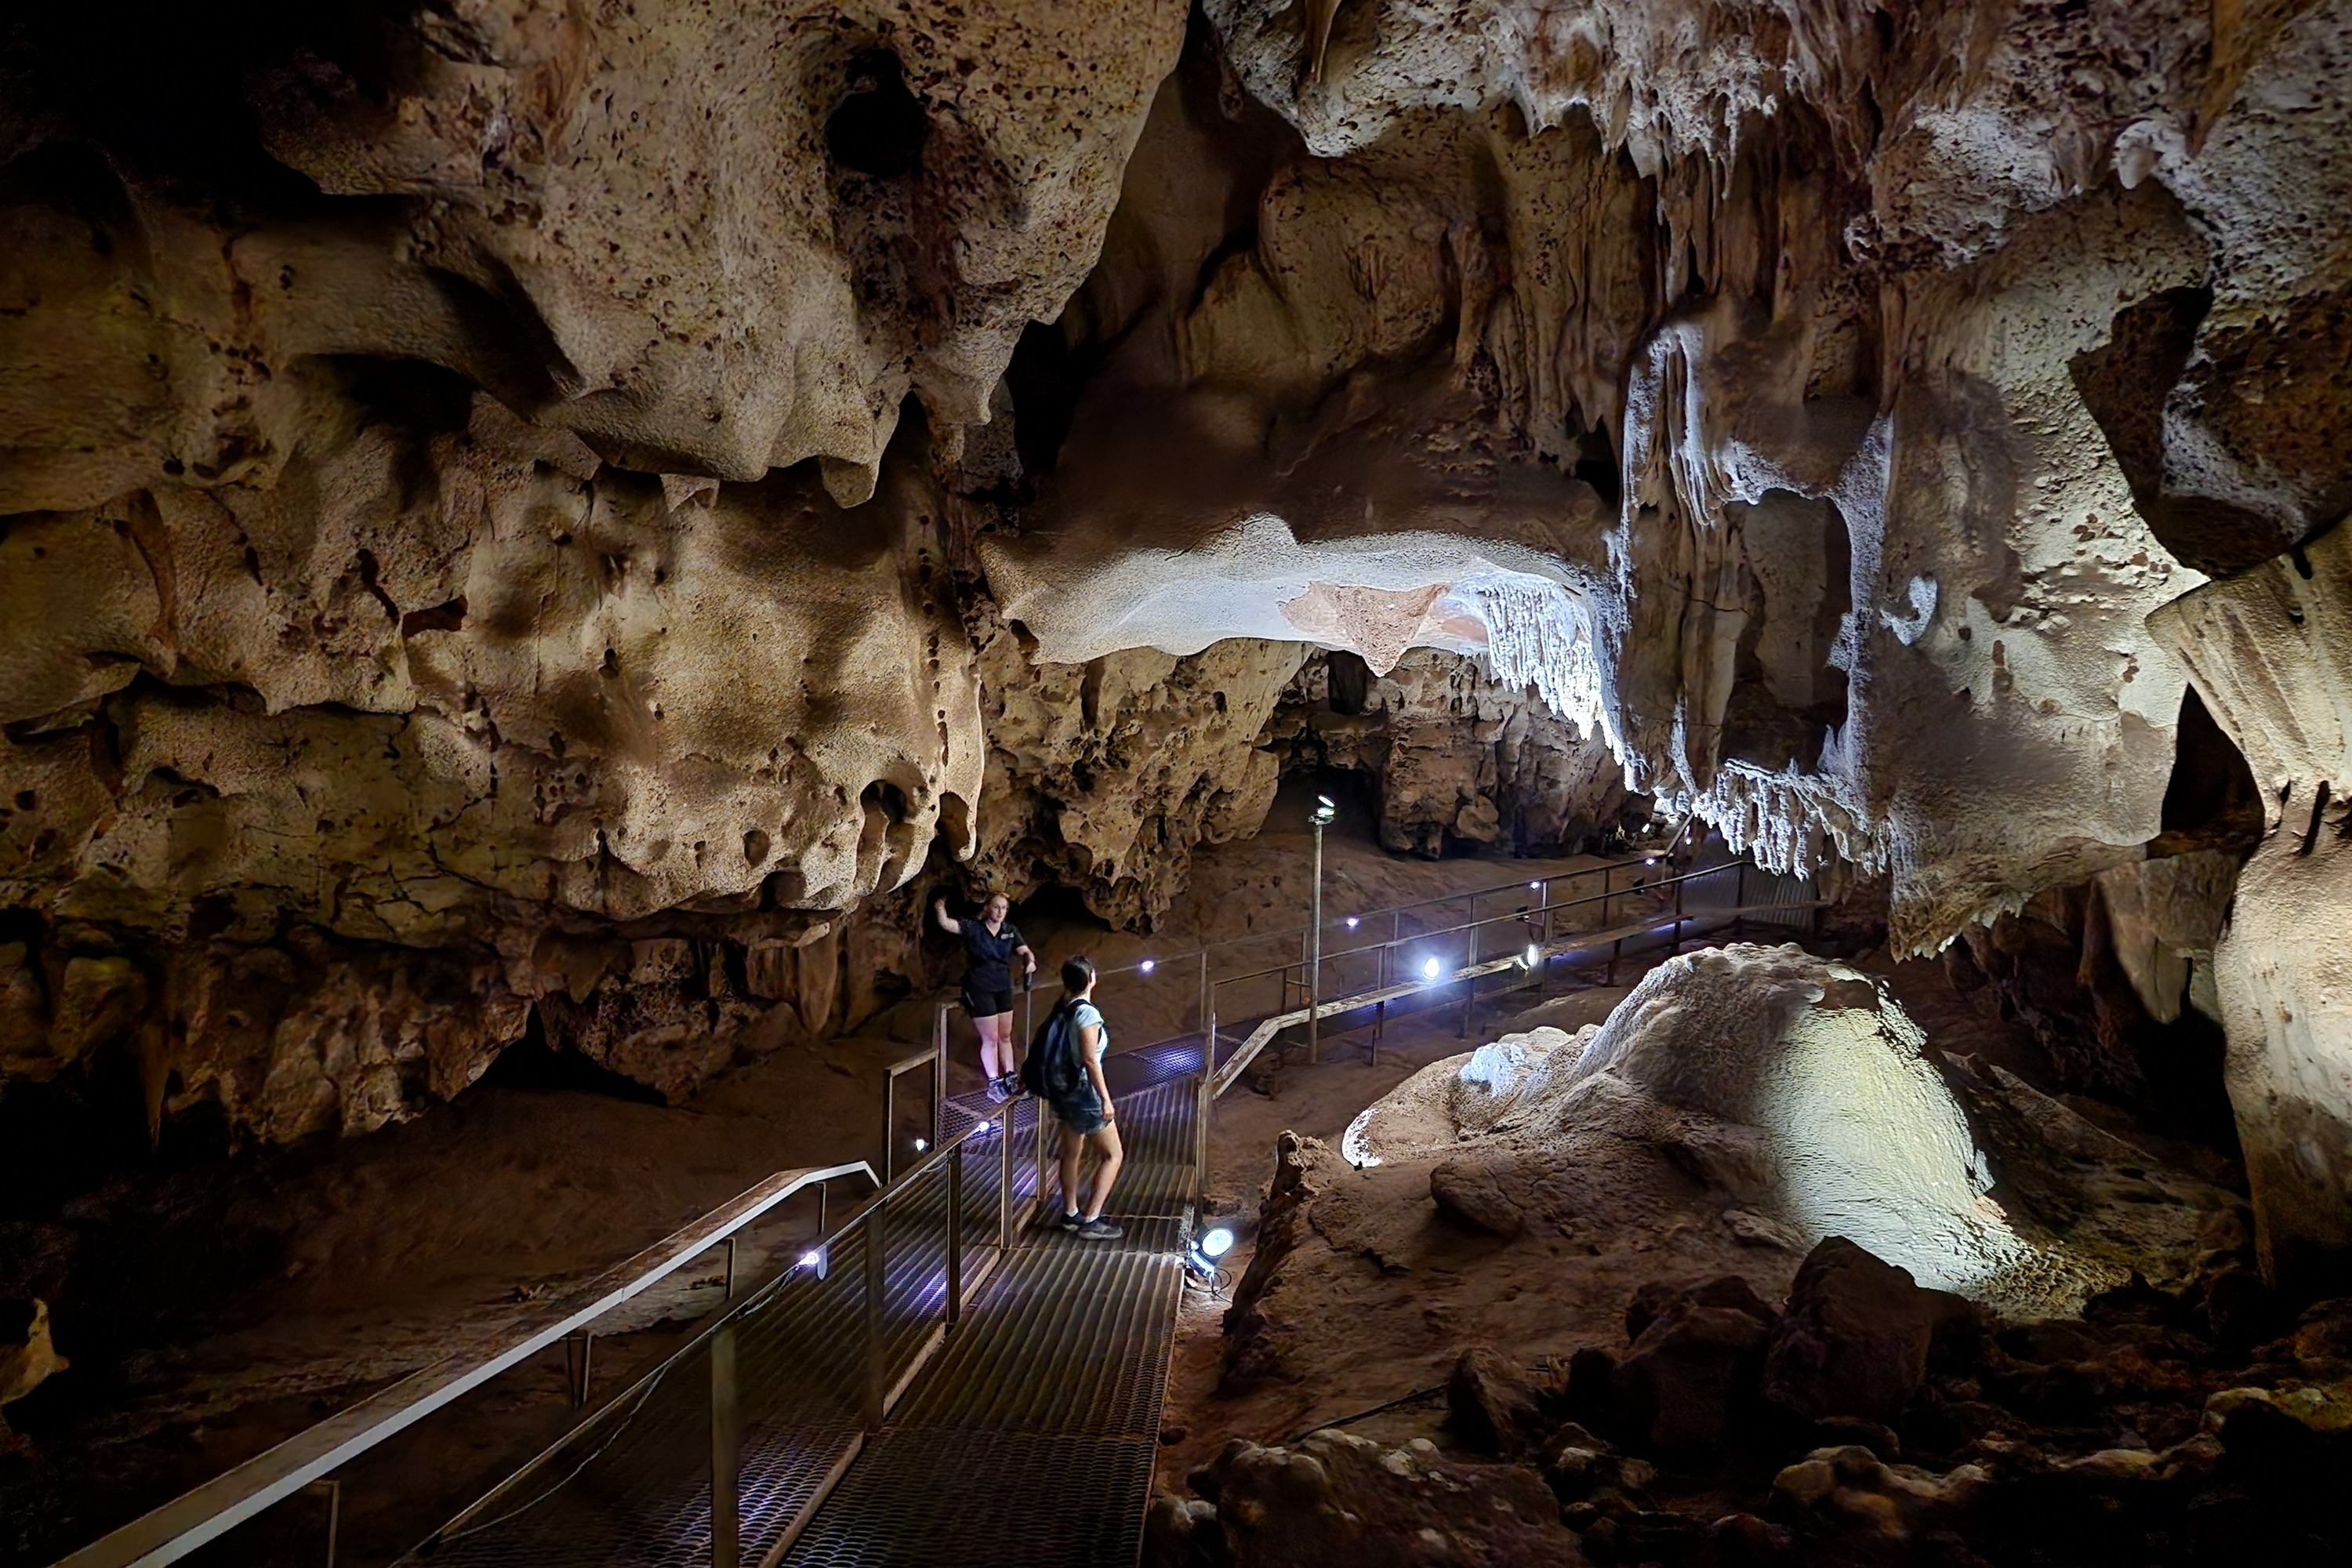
(1455, 757)
(553, 517)
(1864, 1420)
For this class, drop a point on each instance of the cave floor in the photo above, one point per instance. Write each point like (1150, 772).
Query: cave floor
(246, 1298)
(1384, 1296)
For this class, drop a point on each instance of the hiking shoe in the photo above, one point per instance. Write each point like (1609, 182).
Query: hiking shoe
(1099, 1230)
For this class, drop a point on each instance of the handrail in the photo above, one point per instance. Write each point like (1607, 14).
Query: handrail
(1546, 908)
(876, 1202)
(1224, 1078)
(171, 1531)
(1469, 895)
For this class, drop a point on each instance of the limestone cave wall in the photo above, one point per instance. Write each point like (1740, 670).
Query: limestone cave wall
(583, 512)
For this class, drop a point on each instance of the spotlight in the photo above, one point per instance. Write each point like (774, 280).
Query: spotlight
(1650, 860)
(923, 1146)
(980, 1128)
(1351, 922)
(814, 1261)
(1429, 969)
(1324, 811)
(1534, 886)
(1201, 1258)
(1534, 955)
(1146, 965)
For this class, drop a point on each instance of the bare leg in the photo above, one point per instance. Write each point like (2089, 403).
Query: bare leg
(994, 1030)
(1073, 1144)
(1114, 1156)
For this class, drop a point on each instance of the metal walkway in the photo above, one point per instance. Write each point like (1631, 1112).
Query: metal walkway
(1020, 1428)
(1030, 1439)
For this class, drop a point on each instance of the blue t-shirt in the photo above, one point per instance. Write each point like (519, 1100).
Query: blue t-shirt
(1084, 1014)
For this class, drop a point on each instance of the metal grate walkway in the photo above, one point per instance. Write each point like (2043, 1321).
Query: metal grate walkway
(1030, 1441)
(1028, 1437)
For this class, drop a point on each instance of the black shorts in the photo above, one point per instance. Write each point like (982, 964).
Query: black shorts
(986, 1003)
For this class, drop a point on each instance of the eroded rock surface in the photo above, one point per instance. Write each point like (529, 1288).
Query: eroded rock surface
(489, 486)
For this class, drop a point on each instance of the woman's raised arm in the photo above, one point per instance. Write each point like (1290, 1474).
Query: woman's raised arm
(948, 922)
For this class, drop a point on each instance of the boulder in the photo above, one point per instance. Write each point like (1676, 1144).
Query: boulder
(1658, 1299)
(1854, 1338)
(1494, 1405)
(1334, 1497)
(1690, 1379)
(1851, 1489)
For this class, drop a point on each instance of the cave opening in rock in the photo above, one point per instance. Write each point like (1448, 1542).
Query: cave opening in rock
(1790, 690)
(879, 126)
(533, 1065)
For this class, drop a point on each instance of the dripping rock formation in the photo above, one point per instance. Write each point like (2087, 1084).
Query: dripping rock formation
(567, 524)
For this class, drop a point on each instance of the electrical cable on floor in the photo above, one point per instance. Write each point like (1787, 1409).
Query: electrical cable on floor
(1418, 1394)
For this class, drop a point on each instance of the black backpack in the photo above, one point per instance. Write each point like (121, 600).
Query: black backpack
(1052, 1069)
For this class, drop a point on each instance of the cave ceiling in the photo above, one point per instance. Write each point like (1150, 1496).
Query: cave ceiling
(499, 481)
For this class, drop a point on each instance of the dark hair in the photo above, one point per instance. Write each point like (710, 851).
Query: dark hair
(1077, 973)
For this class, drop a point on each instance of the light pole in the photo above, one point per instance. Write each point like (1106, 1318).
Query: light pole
(1321, 818)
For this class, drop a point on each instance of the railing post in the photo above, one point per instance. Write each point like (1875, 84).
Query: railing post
(1043, 1158)
(730, 1270)
(1204, 1103)
(1314, 956)
(726, 1448)
(955, 1234)
(1208, 1032)
(576, 1372)
(940, 1078)
(1677, 945)
(1004, 1175)
(889, 1127)
(878, 1370)
(333, 1489)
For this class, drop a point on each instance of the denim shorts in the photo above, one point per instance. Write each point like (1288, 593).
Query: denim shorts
(1081, 1112)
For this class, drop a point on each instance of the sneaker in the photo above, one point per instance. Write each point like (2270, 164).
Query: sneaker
(1100, 1230)
(999, 1090)
(1071, 1221)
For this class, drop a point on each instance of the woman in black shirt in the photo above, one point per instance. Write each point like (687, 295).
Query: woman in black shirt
(991, 943)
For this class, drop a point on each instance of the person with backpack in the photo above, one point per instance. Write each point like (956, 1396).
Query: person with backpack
(1065, 1069)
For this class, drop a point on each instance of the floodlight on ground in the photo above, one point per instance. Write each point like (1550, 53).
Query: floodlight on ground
(1324, 811)
(923, 1146)
(1146, 965)
(1534, 886)
(981, 1127)
(1430, 968)
(1201, 1258)
(1533, 956)
(1351, 922)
